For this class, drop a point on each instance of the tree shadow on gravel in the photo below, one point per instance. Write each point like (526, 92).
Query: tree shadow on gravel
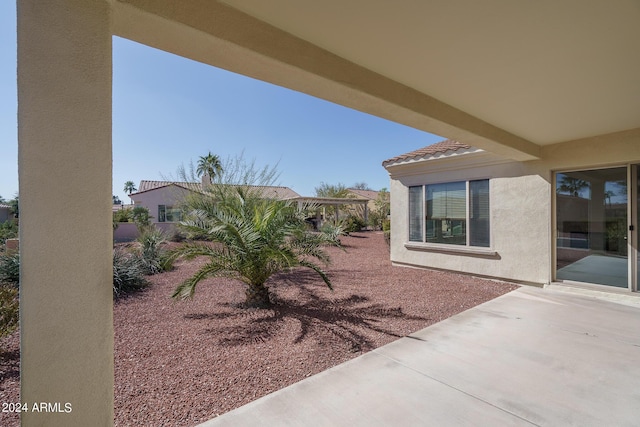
(343, 319)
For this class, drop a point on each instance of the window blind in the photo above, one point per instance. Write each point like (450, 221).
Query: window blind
(447, 201)
(415, 213)
(479, 213)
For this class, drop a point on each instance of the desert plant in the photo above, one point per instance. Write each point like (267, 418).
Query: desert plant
(128, 273)
(352, 223)
(333, 232)
(254, 239)
(386, 229)
(9, 309)
(10, 268)
(151, 253)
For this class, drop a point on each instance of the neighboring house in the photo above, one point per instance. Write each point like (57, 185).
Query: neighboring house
(5, 213)
(460, 208)
(162, 198)
(369, 195)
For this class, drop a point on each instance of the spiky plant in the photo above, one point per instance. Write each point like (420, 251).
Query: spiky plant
(252, 238)
(151, 251)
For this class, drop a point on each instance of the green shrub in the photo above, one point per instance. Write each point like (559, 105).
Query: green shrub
(10, 268)
(140, 215)
(8, 230)
(353, 223)
(128, 273)
(9, 309)
(386, 228)
(122, 215)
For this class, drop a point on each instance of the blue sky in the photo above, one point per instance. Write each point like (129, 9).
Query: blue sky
(169, 110)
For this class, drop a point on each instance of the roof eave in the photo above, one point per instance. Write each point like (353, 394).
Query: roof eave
(449, 154)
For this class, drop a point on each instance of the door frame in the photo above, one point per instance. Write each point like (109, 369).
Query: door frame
(633, 222)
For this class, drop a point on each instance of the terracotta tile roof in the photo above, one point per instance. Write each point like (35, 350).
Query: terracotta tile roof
(430, 150)
(154, 185)
(276, 192)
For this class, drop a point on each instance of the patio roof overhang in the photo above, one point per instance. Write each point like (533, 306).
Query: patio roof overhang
(506, 78)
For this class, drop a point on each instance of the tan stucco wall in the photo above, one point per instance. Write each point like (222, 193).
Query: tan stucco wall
(64, 133)
(522, 228)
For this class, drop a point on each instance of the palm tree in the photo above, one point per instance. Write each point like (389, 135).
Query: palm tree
(607, 197)
(209, 165)
(254, 238)
(129, 187)
(572, 186)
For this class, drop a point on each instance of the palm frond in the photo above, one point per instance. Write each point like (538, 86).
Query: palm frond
(218, 267)
(325, 278)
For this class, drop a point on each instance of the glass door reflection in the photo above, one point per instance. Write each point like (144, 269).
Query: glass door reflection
(591, 215)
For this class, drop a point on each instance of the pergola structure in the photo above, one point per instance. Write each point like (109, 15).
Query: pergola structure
(526, 80)
(322, 202)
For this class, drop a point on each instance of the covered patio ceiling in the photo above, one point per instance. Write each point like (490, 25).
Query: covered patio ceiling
(505, 76)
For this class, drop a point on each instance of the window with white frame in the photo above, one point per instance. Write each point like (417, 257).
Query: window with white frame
(169, 214)
(453, 213)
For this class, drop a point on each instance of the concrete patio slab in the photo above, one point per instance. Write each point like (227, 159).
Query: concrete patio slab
(531, 357)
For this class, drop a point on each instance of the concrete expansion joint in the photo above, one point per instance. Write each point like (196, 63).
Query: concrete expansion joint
(473, 396)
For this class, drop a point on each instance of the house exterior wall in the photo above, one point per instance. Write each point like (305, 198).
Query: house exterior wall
(521, 206)
(520, 232)
(170, 195)
(126, 232)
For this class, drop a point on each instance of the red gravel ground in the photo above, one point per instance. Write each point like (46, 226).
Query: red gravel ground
(182, 363)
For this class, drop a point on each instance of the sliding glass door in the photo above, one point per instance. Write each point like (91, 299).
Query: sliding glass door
(593, 227)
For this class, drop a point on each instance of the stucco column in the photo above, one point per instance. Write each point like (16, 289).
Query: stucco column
(64, 133)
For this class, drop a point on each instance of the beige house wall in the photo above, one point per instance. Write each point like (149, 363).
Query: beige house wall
(521, 200)
(170, 195)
